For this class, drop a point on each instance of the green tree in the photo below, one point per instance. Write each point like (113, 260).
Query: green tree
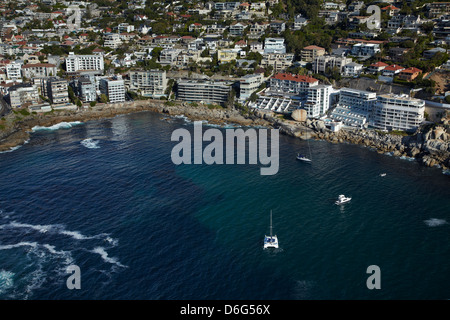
(103, 98)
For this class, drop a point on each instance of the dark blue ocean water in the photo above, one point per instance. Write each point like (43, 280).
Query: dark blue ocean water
(140, 227)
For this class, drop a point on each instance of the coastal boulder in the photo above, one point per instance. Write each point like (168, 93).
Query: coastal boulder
(320, 125)
(299, 115)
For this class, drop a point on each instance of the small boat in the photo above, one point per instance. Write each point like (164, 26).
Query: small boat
(342, 199)
(272, 240)
(303, 158)
(383, 175)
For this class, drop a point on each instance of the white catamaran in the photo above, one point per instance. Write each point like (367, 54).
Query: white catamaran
(272, 240)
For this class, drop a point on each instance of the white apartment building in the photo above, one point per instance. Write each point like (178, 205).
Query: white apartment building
(398, 112)
(112, 40)
(86, 89)
(299, 22)
(113, 88)
(57, 90)
(257, 30)
(292, 84)
(39, 70)
(91, 62)
(152, 83)
(237, 29)
(125, 27)
(169, 56)
(274, 45)
(318, 101)
(365, 49)
(322, 63)
(352, 69)
(249, 84)
(21, 94)
(14, 70)
(278, 61)
(203, 91)
(362, 100)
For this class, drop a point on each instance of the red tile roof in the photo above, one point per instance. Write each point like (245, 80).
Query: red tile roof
(313, 48)
(292, 77)
(379, 64)
(390, 7)
(411, 70)
(393, 67)
(31, 65)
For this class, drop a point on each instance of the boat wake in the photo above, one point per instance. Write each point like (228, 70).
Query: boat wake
(434, 222)
(45, 251)
(90, 143)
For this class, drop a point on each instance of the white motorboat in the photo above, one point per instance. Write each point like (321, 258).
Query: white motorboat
(382, 174)
(303, 158)
(342, 199)
(270, 241)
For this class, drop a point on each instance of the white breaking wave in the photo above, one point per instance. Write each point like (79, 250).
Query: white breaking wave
(48, 262)
(434, 222)
(35, 245)
(15, 148)
(61, 125)
(60, 230)
(18, 245)
(90, 143)
(6, 280)
(102, 252)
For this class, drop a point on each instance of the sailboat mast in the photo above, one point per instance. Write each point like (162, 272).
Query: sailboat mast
(270, 222)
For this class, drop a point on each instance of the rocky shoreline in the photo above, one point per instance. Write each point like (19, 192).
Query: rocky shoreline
(430, 145)
(17, 127)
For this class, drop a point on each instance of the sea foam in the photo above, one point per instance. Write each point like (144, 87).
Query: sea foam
(434, 222)
(61, 125)
(90, 143)
(102, 252)
(6, 280)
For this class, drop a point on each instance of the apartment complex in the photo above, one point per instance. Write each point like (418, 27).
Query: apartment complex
(204, 91)
(309, 53)
(398, 112)
(323, 63)
(112, 40)
(39, 70)
(278, 61)
(152, 83)
(274, 45)
(21, 94)
(57, 90)
(318, 101)
(365, 49)
(249, 84)
(14, 70)
(86, 89)
(359, 99)
(292, 84)
(113, 88)
(79, 63)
